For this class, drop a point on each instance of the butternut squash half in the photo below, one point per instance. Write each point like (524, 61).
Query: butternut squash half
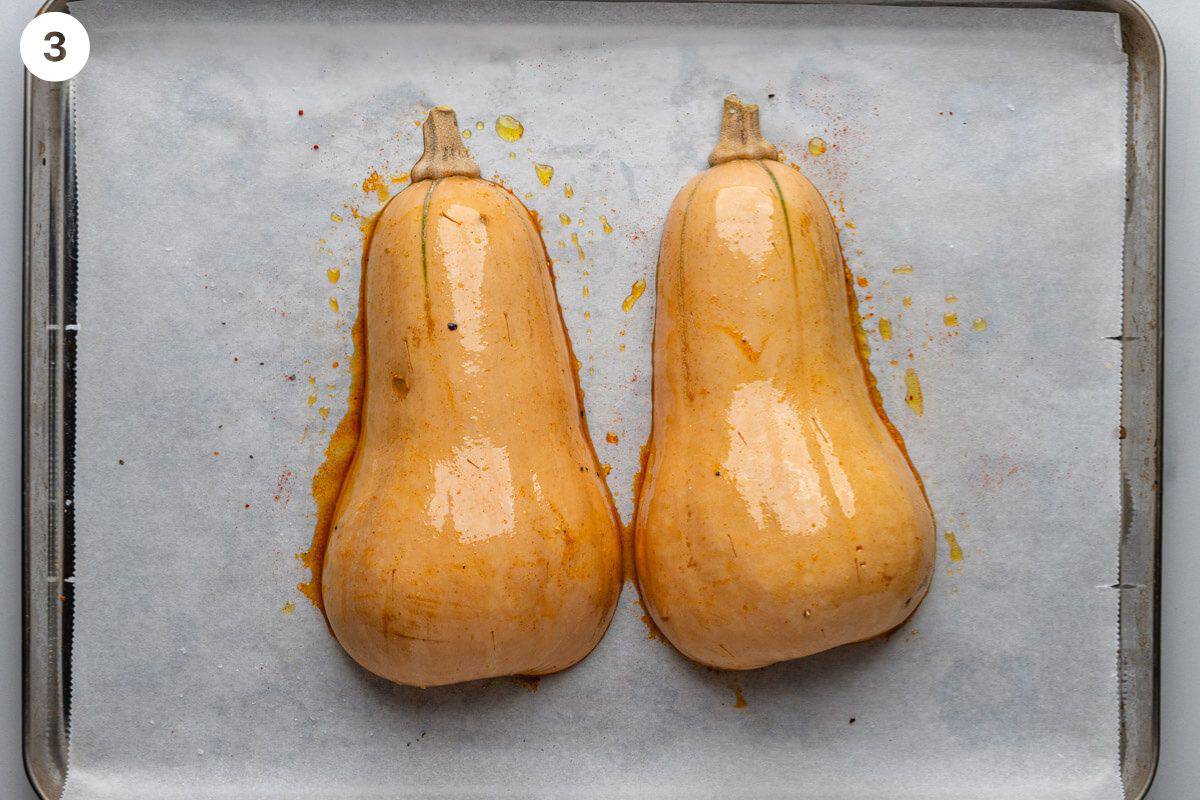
(779, 514)
(474, 535)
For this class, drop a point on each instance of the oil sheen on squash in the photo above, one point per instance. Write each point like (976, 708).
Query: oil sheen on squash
(779, 514)
(473, 535)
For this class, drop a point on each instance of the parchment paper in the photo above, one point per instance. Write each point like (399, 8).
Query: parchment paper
(985, 149)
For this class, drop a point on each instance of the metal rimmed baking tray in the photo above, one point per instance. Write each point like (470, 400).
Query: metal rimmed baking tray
(49, 387)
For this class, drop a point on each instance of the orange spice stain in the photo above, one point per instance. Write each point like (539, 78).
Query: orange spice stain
(289, 608)
(333, 303)
(578, 248)
(652, 630)
(604, 224)
(499, 180)
(907, 302)
(862, 281)
(611, 437)
(531, 682)
(327, 482)
(627, 530)
(739, 699)
(377, 184)
(744, 345)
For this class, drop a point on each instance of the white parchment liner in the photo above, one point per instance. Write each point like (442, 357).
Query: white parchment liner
(985, 149)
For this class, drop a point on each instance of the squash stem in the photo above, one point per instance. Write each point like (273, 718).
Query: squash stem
(741, 137)
(445, 154)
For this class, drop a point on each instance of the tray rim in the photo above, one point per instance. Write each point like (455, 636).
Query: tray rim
(46, 345)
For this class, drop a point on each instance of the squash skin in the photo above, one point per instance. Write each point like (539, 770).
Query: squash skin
(778, 516)
(473, 536)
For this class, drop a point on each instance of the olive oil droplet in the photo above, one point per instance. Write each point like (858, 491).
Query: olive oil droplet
(817, 146)
(604, 224)
(509, 128)
(564, 219)
(568, 191)
(979, 324)
(956, 553)
(545, 173)
(912, 395)
(334, 274)
(951, 319)
(885, 329)
(903, 269)
(635, 291)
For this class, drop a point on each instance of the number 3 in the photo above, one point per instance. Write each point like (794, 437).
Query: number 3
(60, 52)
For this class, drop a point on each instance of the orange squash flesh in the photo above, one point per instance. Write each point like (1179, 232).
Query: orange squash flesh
(778, 517)
(473, 536)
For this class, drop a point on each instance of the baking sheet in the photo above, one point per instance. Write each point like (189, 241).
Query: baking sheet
(982, 148)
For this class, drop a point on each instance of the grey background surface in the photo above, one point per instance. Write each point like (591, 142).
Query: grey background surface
(1179, 23)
